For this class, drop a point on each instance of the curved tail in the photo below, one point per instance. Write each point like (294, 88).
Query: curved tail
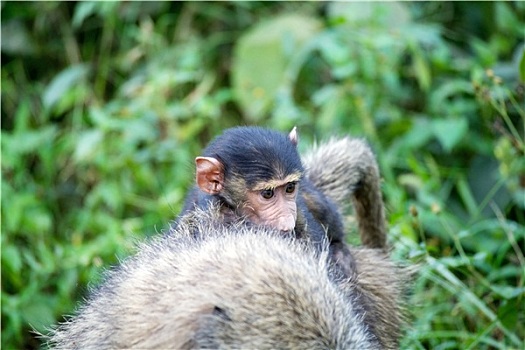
(347, 168)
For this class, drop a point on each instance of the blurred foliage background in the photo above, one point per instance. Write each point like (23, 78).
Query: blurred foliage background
(105, 105)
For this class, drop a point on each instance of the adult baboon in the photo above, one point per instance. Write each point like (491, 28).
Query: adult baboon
(229, 286)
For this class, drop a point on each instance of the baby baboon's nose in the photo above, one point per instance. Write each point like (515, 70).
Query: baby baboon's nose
(286, 224)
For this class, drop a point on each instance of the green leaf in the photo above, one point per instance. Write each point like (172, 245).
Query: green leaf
(38, 221)
(509, 312)
(466, 195)
(449, 131)
(261, 59)
(16, 39)
(61, 85)
(11, 262)
(484, 52)
(83, 10)
(421, 70)
(440, 99)
(37, 311)
(508, 292)
(88, 144)
(104, 9)
(507, 18)
(31, 141)
(420, 133)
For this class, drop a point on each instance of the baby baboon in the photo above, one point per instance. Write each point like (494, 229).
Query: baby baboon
(257, 174)
(230, 286)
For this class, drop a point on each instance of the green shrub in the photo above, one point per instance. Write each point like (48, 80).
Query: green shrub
(105, 105)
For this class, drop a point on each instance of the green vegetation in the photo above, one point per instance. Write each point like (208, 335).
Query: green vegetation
(105, 104)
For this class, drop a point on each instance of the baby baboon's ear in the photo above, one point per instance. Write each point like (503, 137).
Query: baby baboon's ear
(294, 136)
(210, 174)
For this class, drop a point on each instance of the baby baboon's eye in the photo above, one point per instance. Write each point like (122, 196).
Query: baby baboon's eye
(267, 194)
(290, 187)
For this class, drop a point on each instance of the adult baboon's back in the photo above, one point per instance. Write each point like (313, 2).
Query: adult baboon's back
(216, 286)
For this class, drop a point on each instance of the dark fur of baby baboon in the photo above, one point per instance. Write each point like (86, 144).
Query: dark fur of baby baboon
(241, 166)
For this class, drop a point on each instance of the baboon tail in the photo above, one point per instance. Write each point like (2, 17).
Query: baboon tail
(346, 171)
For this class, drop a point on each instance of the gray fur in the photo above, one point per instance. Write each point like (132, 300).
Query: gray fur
(384, 285)
(346, 171)
(215, 286)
